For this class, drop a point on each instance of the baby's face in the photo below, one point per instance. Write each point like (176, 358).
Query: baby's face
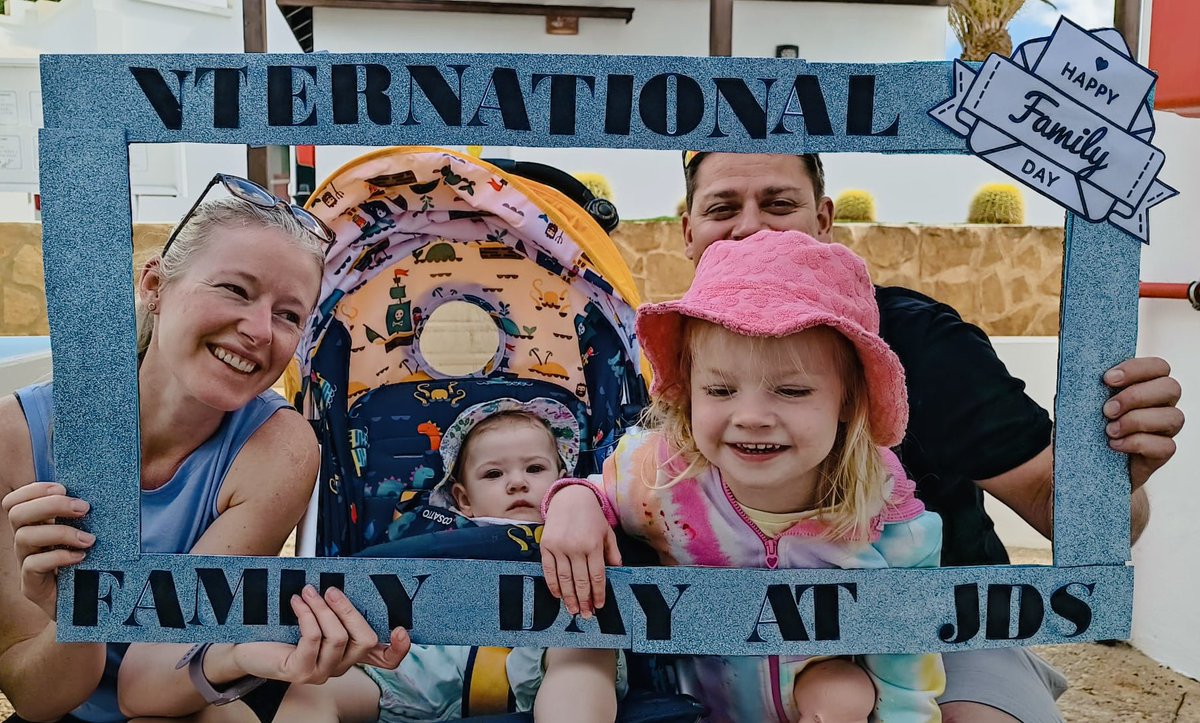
(506, 470)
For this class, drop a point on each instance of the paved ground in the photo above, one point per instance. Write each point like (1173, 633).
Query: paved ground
(1117, 682)
(1108, 683)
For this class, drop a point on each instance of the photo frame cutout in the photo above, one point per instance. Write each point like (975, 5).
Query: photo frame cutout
(716, 104)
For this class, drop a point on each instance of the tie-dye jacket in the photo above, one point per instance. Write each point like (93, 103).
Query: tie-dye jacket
(698, 522)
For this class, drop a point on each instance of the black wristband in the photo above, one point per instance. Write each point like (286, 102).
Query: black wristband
(194, 660)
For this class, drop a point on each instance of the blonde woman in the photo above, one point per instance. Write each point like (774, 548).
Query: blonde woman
(226, 469)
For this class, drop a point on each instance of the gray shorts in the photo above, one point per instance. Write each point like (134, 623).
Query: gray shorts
(1012, 680)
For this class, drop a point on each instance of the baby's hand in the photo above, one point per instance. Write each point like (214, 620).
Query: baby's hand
(576, 544)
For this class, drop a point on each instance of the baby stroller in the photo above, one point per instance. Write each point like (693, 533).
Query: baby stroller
(419, 228)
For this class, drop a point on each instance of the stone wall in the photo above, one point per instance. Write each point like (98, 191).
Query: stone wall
(23, 295)
(1006, 279)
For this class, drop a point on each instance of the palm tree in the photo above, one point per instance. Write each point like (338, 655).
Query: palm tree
(982, 26)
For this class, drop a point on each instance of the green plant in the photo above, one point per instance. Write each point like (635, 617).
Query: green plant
(854, 206)
(596, 183)
(997, 203)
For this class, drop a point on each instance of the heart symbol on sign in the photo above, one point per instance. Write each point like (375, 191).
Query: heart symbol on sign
(1101, 63)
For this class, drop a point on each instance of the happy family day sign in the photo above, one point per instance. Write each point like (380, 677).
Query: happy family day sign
(715, 104)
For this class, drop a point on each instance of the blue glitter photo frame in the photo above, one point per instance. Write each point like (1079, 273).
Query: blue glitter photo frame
(96, 105)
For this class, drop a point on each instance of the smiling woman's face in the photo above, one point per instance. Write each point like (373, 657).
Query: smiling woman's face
(228, 325)
(506, 470)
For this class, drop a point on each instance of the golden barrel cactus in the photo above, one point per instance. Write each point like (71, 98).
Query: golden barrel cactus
(596, 183)
(1000, 203)
(854, 206)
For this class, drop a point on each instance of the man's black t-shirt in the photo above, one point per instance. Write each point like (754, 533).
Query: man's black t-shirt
(969, 419)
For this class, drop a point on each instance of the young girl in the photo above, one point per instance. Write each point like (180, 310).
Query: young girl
(774, 402)
(500, 457)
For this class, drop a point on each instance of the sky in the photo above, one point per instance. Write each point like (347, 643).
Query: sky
(1037, 19)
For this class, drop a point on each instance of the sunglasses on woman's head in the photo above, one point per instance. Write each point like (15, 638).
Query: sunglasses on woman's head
(251, 192)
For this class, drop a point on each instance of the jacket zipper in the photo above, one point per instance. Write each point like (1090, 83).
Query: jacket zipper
(770, 544)
(771, 547)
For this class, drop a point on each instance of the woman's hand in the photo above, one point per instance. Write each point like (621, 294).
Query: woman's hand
(334, 636)
(42, 545)
(576, 543)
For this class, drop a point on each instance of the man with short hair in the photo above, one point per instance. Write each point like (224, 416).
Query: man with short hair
(971, 426)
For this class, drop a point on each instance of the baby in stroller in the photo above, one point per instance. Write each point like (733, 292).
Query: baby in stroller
(501, 458)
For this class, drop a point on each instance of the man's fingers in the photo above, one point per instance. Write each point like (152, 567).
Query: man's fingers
(45, 508)
(1156, 393)
(1159, 421)
(1154, 448)
(1132, 371)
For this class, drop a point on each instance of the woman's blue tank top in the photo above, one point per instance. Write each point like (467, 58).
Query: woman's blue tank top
(174, 516)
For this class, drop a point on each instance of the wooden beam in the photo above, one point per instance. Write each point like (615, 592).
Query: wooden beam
(468, 6)
(720, 28)
(1127, 18)
(254, 26)
(254, 40)
(942, 3)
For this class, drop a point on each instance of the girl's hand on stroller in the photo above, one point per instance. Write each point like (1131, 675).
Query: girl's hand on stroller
(41, 543)
(334, 636)
(576, 543)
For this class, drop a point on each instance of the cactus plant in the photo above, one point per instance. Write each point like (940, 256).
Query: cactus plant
(596, 183)
(854, 206)
(997, 203)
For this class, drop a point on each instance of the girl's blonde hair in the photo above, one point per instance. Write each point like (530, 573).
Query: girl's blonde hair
(208, 219)
(851, 479)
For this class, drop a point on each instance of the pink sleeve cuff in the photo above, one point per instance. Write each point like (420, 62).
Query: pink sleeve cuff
(609, 513)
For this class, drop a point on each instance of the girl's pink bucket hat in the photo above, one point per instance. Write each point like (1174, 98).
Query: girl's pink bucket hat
(777, 283)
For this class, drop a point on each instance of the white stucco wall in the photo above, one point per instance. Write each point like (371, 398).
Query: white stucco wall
(649, 183)
(837, 32)
(141, 26)
(1033, 359)
(1166, 621)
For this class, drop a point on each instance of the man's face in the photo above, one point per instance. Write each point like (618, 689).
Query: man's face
(737, 195)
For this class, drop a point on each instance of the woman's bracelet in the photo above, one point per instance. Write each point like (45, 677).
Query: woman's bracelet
(194, 660)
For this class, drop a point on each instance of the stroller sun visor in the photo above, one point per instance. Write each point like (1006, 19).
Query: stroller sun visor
(420, 227)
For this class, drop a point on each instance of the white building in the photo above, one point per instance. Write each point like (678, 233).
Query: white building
(647, 184)
(164, 177)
